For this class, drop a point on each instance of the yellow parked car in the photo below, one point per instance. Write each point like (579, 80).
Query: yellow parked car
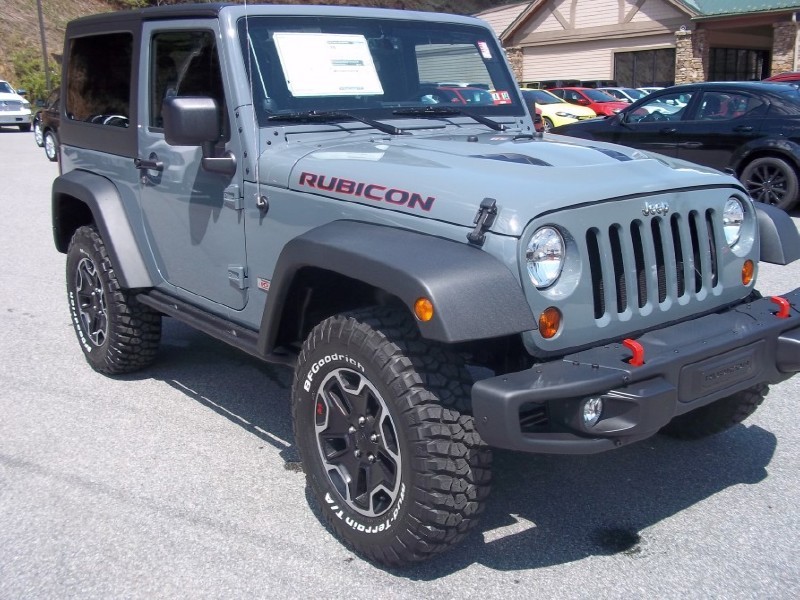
(555, 111)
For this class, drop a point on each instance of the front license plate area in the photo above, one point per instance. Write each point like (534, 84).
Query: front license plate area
(719, 372)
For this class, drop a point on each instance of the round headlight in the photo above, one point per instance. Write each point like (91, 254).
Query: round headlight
(732, 219)
(545, 256)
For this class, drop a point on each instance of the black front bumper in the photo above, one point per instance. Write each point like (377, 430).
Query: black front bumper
(686, 366)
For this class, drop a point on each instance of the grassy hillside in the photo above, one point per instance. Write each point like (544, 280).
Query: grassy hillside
(19, 23)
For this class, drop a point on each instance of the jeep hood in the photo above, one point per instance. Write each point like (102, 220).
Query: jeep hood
(445, 177)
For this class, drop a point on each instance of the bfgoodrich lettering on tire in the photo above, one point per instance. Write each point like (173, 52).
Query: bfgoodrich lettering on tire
(398, 474)
(117, 334)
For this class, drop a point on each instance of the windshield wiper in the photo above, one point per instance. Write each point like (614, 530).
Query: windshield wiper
(335, 115)
(431, 111)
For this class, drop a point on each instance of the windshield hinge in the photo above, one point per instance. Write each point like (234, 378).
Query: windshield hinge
(237, 276)
(483, 221)
(233, 197)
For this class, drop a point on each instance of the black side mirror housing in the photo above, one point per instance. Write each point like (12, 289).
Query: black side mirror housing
(194, 121)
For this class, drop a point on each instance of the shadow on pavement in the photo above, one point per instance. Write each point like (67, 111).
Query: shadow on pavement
(543, 511)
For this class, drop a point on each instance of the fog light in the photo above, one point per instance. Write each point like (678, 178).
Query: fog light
(592, 410)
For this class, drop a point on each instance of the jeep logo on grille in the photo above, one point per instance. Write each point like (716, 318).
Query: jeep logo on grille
(657, 208)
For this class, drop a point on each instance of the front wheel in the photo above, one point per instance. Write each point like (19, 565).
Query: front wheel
(718, 416)
(399, 476)
(37, 132)
(547, 123)
(771, 180)
(117, 333)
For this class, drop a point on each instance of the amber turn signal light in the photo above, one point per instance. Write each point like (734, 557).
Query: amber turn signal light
(423, 309)
(549, 322)
(748, 268)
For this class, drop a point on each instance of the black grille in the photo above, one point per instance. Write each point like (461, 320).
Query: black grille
(651, 260)
(533, 417)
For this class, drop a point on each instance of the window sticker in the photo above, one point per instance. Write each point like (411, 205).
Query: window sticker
(327, 64)
(485, 52)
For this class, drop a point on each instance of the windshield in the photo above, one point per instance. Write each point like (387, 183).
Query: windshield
(542, 97)
(633, 93)
(373, 65)
(6, 89)
(598, 96)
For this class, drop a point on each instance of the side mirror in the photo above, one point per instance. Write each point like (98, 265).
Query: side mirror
(582, 101)
(194, 121)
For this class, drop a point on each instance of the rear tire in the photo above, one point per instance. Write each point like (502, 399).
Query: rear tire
(116, 333)
(51, 146)
(399, 476)
(718, 416)
(771, 180)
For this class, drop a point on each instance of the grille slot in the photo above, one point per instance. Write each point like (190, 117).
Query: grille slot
(533, 417)
(651, 261)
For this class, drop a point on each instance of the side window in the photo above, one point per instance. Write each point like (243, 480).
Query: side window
(185, 63)
(664, 107)
(723, 106)
(99, 79)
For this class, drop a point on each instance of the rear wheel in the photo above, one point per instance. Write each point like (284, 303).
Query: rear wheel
(771, 180)
(117, 334)
(399, 474)
(51, 146)
(718, 416)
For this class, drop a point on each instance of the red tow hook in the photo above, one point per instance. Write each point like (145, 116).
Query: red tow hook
(783, 307)
(637, 360)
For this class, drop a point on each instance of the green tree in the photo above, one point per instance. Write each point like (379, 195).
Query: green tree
(29, 73)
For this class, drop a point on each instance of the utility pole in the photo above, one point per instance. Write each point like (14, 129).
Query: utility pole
(44, 46)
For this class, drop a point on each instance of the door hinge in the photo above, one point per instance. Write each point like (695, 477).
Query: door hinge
(237, 276)
(233, 197)
(483, 221)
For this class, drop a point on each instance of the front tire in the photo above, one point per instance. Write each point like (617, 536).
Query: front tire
(37, 132)
(547, 123)
(398, 475)
(718, 416)
(116, 333)
(771, 180)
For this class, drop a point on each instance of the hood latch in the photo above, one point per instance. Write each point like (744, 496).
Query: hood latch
(483, 221)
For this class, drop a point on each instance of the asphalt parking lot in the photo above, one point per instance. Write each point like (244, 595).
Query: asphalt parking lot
(182, 481)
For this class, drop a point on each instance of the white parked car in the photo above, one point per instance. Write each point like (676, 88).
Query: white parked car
(625, 94)
(649, 90)
(14, 109)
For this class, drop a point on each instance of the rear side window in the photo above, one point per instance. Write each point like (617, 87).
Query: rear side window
(99, 79)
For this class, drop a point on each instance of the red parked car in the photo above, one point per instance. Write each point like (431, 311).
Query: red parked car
(788, 76)
(600, 102)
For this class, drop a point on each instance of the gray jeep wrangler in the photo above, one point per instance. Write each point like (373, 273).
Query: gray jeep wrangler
(361, 194)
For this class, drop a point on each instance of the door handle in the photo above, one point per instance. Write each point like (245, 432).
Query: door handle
(743, 129)
(149, 164)
(691, 145)
(669, 130)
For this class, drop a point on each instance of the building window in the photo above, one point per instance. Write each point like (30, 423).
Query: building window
(645, 68)
(737, 64)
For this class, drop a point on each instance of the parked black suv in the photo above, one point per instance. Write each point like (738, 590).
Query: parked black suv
(752, 128)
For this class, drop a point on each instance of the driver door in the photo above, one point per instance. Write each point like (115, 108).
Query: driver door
(197, 238)
(655, 125)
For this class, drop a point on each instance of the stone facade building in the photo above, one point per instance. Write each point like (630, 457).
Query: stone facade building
(647, 42)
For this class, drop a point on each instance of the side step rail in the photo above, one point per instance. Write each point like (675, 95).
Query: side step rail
(227, 331)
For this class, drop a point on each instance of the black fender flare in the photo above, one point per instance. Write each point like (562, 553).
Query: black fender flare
(780, 241)
(103, 200)
(474, 295)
